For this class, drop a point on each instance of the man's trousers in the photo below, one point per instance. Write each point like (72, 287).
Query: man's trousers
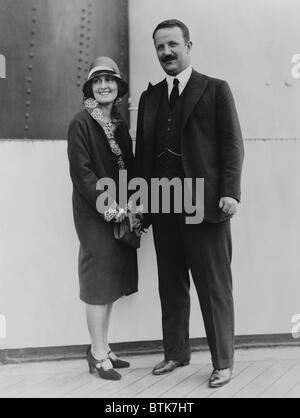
(205, 250)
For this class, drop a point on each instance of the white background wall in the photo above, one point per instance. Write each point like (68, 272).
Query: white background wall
(249, 43)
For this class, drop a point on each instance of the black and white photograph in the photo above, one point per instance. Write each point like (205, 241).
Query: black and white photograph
(150, 198)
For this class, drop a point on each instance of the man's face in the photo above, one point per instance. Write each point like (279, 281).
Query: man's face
(172, 51)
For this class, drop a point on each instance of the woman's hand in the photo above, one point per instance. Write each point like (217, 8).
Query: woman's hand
(134, 221)
(121, 216)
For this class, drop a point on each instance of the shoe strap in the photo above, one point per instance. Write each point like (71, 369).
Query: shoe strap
(102, 361)
(111, 355)
(99, 362)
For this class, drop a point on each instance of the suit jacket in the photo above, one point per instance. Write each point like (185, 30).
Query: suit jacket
(211, 140)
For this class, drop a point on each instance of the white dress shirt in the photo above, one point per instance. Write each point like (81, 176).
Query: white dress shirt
(183, 78)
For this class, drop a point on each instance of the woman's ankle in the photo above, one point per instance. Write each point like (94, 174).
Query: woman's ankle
(99, 355)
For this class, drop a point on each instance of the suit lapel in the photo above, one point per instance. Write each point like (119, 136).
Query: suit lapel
(150, 117)
(193, 93)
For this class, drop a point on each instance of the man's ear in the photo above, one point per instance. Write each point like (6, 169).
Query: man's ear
(190, 45)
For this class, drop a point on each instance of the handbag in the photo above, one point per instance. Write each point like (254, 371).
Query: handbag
(123, 234)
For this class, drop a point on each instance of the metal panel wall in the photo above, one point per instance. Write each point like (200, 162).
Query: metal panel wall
(48, 46)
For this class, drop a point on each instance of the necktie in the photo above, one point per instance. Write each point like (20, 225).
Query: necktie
(175, 93)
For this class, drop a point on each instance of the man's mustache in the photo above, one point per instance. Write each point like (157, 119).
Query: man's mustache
(169, 58)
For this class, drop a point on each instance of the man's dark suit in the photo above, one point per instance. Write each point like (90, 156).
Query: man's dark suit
(211, 148)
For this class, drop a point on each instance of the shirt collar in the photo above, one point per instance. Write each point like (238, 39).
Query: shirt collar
(183, 78)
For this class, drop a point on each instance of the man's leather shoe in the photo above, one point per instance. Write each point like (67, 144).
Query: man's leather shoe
(168, 366)
(220, 378)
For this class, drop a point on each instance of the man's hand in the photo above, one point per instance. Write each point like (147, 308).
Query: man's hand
(229, 206)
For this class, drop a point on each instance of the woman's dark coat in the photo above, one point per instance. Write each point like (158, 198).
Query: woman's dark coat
(107, 268)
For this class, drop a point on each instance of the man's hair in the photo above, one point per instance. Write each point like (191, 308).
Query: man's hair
(174, 23)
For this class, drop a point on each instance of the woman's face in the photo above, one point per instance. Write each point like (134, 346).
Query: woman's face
(105, 89)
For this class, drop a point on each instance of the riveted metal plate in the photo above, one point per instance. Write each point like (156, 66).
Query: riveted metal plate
(48, 46)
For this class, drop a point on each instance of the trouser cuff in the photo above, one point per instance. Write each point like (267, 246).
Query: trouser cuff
(222, 364)
(183, 355)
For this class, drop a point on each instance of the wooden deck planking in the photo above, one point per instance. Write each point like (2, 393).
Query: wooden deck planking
(261, 373)
(94, 384)
(41, 389)
(294, 393)
(139, 386)
(171, 380)
(189, 384)
(284, 384)
(266, 379)
(111, 389)
(23, 386)
(8, 382)
(246, 377)
(204, 391)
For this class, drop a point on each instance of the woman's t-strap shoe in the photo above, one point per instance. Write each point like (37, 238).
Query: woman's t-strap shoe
(98, 366)
(116, 362)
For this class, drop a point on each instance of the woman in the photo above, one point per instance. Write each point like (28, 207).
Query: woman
(99, 145)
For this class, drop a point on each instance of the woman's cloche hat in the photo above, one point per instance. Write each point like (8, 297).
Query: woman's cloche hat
(100, 66)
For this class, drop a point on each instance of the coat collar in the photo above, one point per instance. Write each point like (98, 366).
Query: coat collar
(193, 93)
(154, 94)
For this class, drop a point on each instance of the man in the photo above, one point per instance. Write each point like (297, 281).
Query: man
(188, 128)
